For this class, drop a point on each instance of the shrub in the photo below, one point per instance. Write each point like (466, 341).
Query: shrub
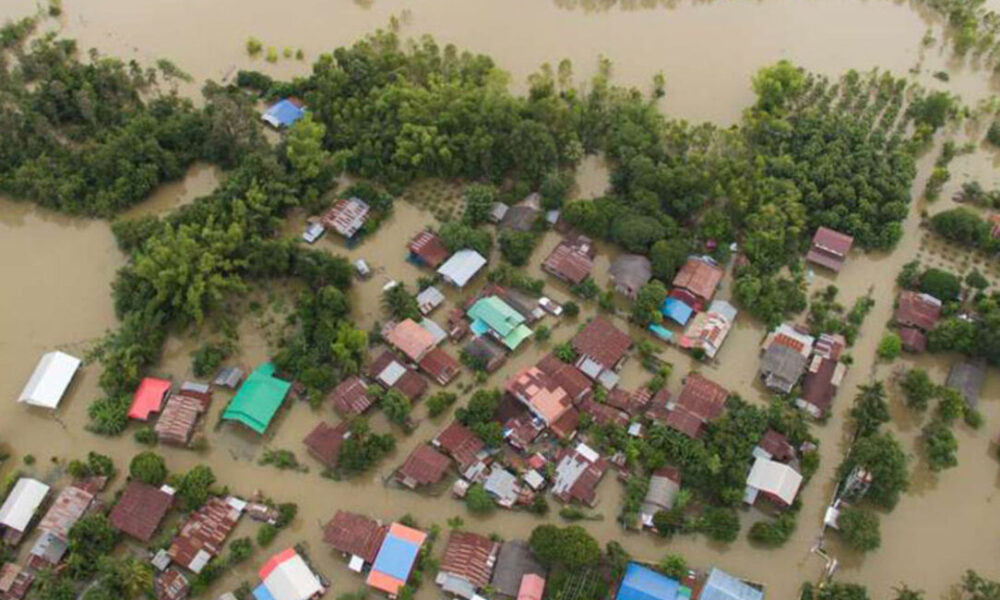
(478, 500)
(891, 346)
(720, 524)
(266, 534)
(148, 467)
(145, 435)
(860, 529)
(254, 46)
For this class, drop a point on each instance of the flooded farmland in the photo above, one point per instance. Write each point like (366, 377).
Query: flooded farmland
(57, 270)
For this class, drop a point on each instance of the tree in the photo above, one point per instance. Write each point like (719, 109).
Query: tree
(977, 587)
(940, 445)
(777, 85)
(905, 592)
(950, 406)
(571, 547)
(860, 529)
(516, 246)
(891, 346)
(668, 522)
(835, 591)
(400, 304)
(882, 456)
(720, 524)
(977, 280)
(941, 284)
(396, 406)
(668, 256)
(89, 539)
(148, 467)
(870, 410)
(457, 236)
(440, 402)
(675, 566)
(554, 189)
(478, 500)
(479, 199)
(918, 389)
(311, 163)
(571, 309)
(195, 487)
(646, 308)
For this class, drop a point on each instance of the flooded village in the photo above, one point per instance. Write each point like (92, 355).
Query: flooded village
(559, 392)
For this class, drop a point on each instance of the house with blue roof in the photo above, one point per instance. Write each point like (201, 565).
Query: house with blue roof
(284, 113)
(723, 586)
(676, 310)
(643, 583)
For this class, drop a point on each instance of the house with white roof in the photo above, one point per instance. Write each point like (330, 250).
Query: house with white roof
(48, 383)
(20, 506)
(773, 480)
(461, 267)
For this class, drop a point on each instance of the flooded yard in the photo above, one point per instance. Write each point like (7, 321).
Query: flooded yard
(57, 270)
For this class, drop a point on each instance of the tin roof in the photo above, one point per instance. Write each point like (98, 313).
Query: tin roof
(918, 310)
(461, 267)
(541, 393)
(514, 562)
(140, 510)
(602, 342)
(411, 339)
(424, 466)
(829, 248)
(204, 533)
(49, 380)
(429, 248)
(148, 398)
(350, 397)
(471, 557)
(460, 443)
(65, 511)
(567, 376)
(571, 260)
(699, 276)
(179, 417)
(324, 442)
(440, 365)
(347, 216)
(258, 399)
(22, 502)
(702, 397)
(355, 534)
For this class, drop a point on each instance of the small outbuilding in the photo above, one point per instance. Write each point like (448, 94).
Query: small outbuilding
(829, 249)
(49, 380)
(629, 272)
(148, 398)
(427, 250)
(258, 399)
(967, 377)
(461, 267)
(723, 586)
(284, 113)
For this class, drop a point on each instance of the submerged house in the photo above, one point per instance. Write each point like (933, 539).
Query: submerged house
(389, 372)
(410, 338)
(601, 349)
(916, 315)
(204, 533)
(427, 250)
(643, 583)
(14, 581)
(347, 216)
(20, 507)
(424, 466)
(351, 397)
(571, 260)
(51, 546)
(355, 535)
(493, 317)
(664, 485)
(823, 376)
(148, 399)
(467, 564)
(578, 471)
(709, 329)
(486, 352)
(258, 399)
(701, 401)
(49, 380)
(461, 267)
(180, 415)
(967, 377)
(287, 576)
(696, 281)
(325, 440)
(540, 394)
(773, 480)
(629, 272)
(141, 509)
(829, 249)
(722, 586)
(786, 354)
(284, 113)
(460, 443)
(515, 562)
(396, 558)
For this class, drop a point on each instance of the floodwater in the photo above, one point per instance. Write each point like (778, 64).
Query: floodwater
(57, 271)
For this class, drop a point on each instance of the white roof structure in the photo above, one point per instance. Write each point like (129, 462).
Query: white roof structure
(461, 267)
(22, 503)
(292, 579)
(774, 478)
(48, 383)
(429, 299)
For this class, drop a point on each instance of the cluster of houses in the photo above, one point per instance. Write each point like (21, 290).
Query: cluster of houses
(790, 355)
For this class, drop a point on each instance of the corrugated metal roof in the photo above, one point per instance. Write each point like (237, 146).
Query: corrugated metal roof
(49, 380)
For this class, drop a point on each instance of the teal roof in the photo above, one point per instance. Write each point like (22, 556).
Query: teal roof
(258, 399)
(497, 314)
(513, 339)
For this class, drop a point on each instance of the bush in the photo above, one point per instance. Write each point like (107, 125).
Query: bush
(266, 534)
(891, 346)
(941, 284)
(674, 565)
(148, 467)
(207, 359)
(774, 533)
(254, 46)
(860, 529)
(720, 524)
(440, 402)
(194, 487)
(918, 389)
(571, 309)
(146, 436)
(478, 500)
(940, 446)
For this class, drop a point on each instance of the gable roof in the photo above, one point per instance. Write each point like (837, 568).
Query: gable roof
(65, 511)
(700, 276)
(967, 377)
(49, 380)
(204, 533)
(140, 510)
(440, 365)
(532, 587)
(566, 376)
(350, 397)
(355, 534)
(782, 367)
(516, 560)
(459, 442)
(602, 342)
(496, 314)
(643, 583)
(284, 112)
(684, 422)
(22, 502)
(777, 446)
(424, 466)
(578, 472)
(723, 586)
(179, 417)
(571, 260)
(389, 372)
(702, 397)
(829, 248)
(775, 478)
(258, 399)
(630, 271)
(470, 556)
(286, 576)
(148, 398)
(428, 247)
(520, 217)
(918, 310)
(461, 267)
(396, 558)
(347, 216)
(541, 393)
(676, 310)
(410, 338)
(324, 441)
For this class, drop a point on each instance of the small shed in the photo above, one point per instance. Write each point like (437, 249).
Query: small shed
(14, 581)
(229, 377)
(427, 249)
(284, 113)
(148, 398)
(676, 310)
(428, 299)
(49, 380)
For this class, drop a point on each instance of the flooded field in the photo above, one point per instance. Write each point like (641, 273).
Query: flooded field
(57, 270)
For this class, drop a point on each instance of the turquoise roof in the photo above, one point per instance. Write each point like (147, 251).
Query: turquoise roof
(497, 314)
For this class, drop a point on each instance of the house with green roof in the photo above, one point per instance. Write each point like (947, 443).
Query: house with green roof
(258, 399)
(494, 317)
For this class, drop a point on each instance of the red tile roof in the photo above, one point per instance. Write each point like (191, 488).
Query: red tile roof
(459, 442)
(567, 424)
(777, 446)
(350, 397)
(324, 442)
(830, 248)
(424, 466)
(703, 397)
(148, 398)
(429, 248)
(471, 557)
(566, 376)
(203, 534)
(914, 340)
(602, 414)
(684, 422)
(440, 365)
(699, 277)
(918, 310)
(140, 510)
(602, 342)
(355, 534)
(571, 260)
(541, 393)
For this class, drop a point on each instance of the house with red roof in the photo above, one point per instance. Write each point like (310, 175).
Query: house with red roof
(578, 471)
(460, 443)
(700, 401)
(391, 373)
(440, 365)
(350, 397)
(775, 446)
(140, 509)
(324, 442)
(355, 535)
(410, 338)
(347, 216)
(601, 349)
(396, 558)
(696, 281)
(428, 250)
(566, 376)
(467, 564)
(603, 414)
(148, 398)
(424, 466)
(204, 533)
(540, 394)
(829, 249)
(917, 310)
(571, 260)
(823, 375)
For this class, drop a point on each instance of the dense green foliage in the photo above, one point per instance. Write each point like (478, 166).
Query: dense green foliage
(860, 529)
(835, 591)
(363, 448)
(148, 467)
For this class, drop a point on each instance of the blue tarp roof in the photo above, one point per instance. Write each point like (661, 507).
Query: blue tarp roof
(661, 332)
(676, 311)
(285, 112)
(262, 593)
(642, 583)
(723, 586)
(396, 557)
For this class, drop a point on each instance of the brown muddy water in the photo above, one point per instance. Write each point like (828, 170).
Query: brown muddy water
(57, 271)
